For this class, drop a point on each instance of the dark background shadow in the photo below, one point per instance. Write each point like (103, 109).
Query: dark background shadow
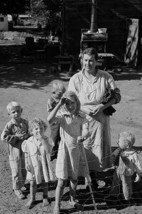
(36, 71)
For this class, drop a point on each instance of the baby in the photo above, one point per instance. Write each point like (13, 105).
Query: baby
(37, 160)
(128, 163)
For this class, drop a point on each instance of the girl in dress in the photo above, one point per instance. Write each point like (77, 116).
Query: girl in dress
(37, 160)
(69, 160)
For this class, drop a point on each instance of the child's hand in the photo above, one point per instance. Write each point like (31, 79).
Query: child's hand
(27, 166)
(138, 178)
(79, 140)
(62, 100)
(22, 136)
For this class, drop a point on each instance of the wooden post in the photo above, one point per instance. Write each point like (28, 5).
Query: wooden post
(93, 26)
(63, 40)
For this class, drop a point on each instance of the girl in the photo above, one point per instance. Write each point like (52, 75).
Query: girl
(69, 155)
(37, 163)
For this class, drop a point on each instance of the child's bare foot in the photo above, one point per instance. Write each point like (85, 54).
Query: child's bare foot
(46, 202)
(30, 204)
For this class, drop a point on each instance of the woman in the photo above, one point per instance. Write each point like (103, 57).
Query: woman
(91, 86)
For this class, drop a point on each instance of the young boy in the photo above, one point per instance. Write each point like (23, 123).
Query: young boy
(127, 163)
(58, 90)
(14, 133)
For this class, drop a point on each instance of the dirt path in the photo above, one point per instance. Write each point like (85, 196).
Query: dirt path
(30, 85)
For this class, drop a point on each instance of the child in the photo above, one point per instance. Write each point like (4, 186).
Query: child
(37, 151)
(58, 90)
(69, 154)
(15, 131)
(128, 163)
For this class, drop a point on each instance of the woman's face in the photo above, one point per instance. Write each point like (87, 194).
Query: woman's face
(89, 63)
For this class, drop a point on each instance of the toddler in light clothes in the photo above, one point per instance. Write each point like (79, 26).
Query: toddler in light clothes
(127, 159)
(14, 133)
(37, 160)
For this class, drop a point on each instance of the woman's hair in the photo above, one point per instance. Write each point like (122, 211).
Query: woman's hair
(37, 122)
(58, 86)
(90, 52)
(69, 95)
(128, 138)
(12, 105)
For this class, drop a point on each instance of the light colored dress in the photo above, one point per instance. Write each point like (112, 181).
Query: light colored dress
(90, 94)
(70, 163)
(38, 159)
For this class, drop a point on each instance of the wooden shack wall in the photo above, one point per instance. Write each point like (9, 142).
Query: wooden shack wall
(111, 14)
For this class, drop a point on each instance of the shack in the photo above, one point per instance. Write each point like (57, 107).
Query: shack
(115, 15)
(3, 22)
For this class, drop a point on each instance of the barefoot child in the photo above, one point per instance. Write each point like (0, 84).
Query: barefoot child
(58, 90)
(128, 163)
(14, 133)
(37, 155)
(69, 154)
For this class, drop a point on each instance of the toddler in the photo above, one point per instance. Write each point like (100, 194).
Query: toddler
(69, 158)
(14, 133)
(128, 163)
(58, 90)
(37, 163)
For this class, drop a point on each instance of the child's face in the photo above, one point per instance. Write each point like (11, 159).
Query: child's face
(57, 94)
(123, 144)
(71, 105)
(37, 131)
(15, 113)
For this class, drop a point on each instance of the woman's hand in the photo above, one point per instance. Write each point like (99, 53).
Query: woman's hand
(98, 109)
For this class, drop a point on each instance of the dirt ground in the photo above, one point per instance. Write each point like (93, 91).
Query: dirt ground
(29, 83)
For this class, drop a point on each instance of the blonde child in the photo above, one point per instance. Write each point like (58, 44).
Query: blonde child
(14, 133)
(37, 163)
(69, 153)
(128, 163)
(58, 89)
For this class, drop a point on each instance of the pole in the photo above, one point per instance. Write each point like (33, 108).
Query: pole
(93, 26)
(63, 29)
(88, 178)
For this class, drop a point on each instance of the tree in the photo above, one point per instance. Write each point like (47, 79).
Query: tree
(13, 6)
(47, 12)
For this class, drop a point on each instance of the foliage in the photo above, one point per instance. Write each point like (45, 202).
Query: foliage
(47, 12)
(13, 6)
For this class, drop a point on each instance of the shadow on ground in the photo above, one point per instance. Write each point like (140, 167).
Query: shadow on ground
(33, 72)
(27, 71)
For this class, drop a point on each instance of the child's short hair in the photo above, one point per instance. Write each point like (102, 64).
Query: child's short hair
(58, 86)
(69, 95)
(128, 137)
(12, 105)
(37, 122)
